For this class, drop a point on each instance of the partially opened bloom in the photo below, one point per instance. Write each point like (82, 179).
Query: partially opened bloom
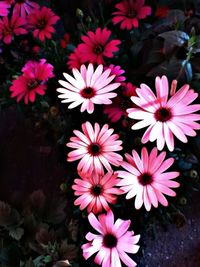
(88, 87)
(129, 12)
(117, 71)
(24, 7)
(12, 27)
(4, 6)
(41, 21)
(96, 191)
(112, 243)
(96, 148)
(165, 118)
(146, 178)
(97, 46)
(33, 81)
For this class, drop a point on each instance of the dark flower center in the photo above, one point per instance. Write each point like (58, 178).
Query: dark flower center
(145, 179)
(41, 24)
(110, 241)
(94, 149)
(96, 190)
(88, 92)
(98, 49)
(132, 14)
(124, 104)
(32, 84)
(163, 114)
(20, 1)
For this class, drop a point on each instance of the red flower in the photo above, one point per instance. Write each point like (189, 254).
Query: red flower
(64, 42)
(129, 12)
(22, 8)
(10, 28)
(97, 46)
(162, 11)
(41, 21)
(74, 60)
(4, 8)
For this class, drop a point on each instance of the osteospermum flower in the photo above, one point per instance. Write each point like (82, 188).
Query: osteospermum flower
(96, 191)
(41, 21)
(88, 87)
(12, 27)
(112, 243)
(24, 7)
(74, 60)
(33, 81)
(146, 178)
(117, 71)
(97, 46)
(96, 148)
(129, 12)
(117, 109)
(4, 6)
(165, 118)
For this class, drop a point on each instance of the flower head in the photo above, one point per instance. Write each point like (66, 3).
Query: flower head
(24, 7)
(12, 27)
(74, 60)
(129, 12)
(96, 148)
(165, 118)
(113, 241)
(33, 81)
(117, 71)
(97, 46)
(96, 191)
(41, 21)
(4, 6)
(88, 87)
(146, 178)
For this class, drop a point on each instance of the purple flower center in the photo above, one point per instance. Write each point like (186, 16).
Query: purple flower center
(88, 92)
(110, 241)
(145, 179)
(96, 190)
(98, 49)
(32, 84)
(163, 114)
(94, 149)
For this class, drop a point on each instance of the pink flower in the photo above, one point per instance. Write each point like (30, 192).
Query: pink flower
(88, 87)
(74, 60)
(33, 81)
(117, 71)
(112, 243)
(164, 117)
(129, 12)
(4, 6)
(16, 26)
(97, 46)
(24, 7)
(96, 191)
(96, 148)
(146, 178)
(118, 108)
(41, 21)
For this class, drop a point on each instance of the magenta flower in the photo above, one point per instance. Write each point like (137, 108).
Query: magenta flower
(146, 178)
(112, 243)
(129, 12)
(41, 21)
(4, 6)
(33, 81)
(8, 29)
(88, 87)
(96, 191)
(74, 60)
(117, 71)
(96, 148)
(164, 117)
(97, 46)
(24, 7)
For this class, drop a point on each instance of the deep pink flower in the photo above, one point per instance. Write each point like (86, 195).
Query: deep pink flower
(16, 26)
(112, 243)
(146, 178)
(41, 21)
(118, 108)
(164, 117)
(129, 12)
(117, 71)
(33, 81)
(24, 7)
(96, 191)
(96, 148)
(97, 46)
(4, 6)
(88, 87)
(74, 60)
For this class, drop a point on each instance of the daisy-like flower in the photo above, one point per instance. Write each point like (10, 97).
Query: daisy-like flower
(117, 71)
(10, 28)
(96, 191)
(24, 7)
(96, 148)
(74, 60)
(112, 243)
(117, 109)
(88, 87)
(4, 6)
(98, 46)
(146, 178)
(129, 12)
(165, 118)
(41, 21)
(33, 81)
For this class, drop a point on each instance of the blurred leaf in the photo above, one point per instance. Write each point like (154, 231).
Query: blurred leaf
(8, 216)
(55, 210)
(188, 70)
(10, 255)
(62, 264)
(37, 201)
(177, 38)
(16, 233)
